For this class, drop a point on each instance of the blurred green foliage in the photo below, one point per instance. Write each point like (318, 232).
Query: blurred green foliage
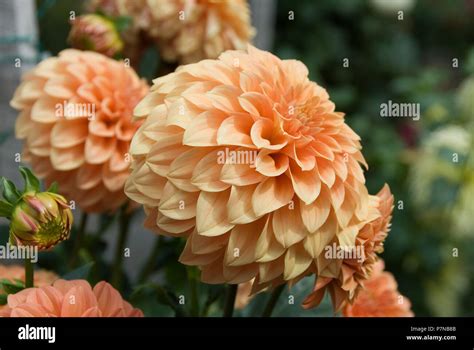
(409, 60)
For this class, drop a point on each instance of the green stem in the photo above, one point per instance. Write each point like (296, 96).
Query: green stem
(78, 240)
(29, 274)
(150, 264)
(193, 286)
(124, 224)
(230, 300)
(267, 312)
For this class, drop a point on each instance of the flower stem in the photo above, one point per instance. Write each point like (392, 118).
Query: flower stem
(124, 223)
(267, 312)
(29, 274)
(150, 264)
(193, 286)
(230, 300)
(78, 240)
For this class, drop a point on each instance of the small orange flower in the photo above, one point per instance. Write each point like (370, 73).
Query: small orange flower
(344, 278)
(379, 297)
(76, 123)
(69, 299)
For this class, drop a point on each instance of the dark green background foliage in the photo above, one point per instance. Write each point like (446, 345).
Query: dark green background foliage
(409, 60)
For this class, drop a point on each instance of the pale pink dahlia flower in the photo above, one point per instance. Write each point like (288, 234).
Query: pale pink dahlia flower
(248, 160)
(76, 123)
(69, 299)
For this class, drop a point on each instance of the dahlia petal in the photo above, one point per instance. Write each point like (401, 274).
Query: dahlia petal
(176, 227)
(45, 110)
(305, 159)
(119, 160)
(145, 106)
(297, 261)
(240, 274)
(240, 175)
(109, 300)
(23, 124)
(239, 206)
(78, 300)
(202, 131)
(269, 271)
(306, 184)
(211, 213)
(337, 192)
(207, 172)
(177, 204)
(271, 164)
(67, 158)
(60, 87)
(181, 169)
(188, 257)
(226, 98)
(68, 133)
(27, 93)
(28, 311)
(256, 104)
(235, 130)
(261, 134)
(272, 194)
(268, 248)
(178, 113)
(98, 150)
(314, 215)
(326, 172)
(88, 176)
(288, 226)
(38, 140)
(322, 150)
(113, 181)
(205, 245)
(100, 127)
(147, 182)
(241, 245)
(347, 237)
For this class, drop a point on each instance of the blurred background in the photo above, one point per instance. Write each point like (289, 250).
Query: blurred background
(365, 52)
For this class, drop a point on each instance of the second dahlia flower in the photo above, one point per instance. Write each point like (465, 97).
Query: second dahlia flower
(379, 297)
(76, 123)
(248, 160)
(16, 272)
(69, 299)
(187, 31)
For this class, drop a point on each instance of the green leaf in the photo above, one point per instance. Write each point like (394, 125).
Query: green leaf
(163, 296)
(3, 299)
(31, 182)
(53, 188)
(81, 273)
(11, 287)
(122, 22)
(6, 209)
(10, 193)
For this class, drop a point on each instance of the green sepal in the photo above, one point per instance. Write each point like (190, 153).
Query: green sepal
(32, 183)
(11, 287)
(53, 188)
(6, 209)
(10, 193)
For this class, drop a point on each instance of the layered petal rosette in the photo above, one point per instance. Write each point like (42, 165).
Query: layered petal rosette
(76, 123)
(379, 297)
(343, 277)
(248, 160)
(69, 299)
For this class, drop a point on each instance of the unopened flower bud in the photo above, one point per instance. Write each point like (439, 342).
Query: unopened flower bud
(96, 33)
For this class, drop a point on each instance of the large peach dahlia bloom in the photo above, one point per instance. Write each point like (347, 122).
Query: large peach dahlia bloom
(379, 297)
(69, 299)
(76, 123)
(344, 278)
(193, 169)
(187, 31)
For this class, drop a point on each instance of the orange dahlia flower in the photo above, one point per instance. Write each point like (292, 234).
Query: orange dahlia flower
(247, 159)
(76, 123)
(379, 297)
(187, 31)
(344, 277)
(69, 299)
(16, 272)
